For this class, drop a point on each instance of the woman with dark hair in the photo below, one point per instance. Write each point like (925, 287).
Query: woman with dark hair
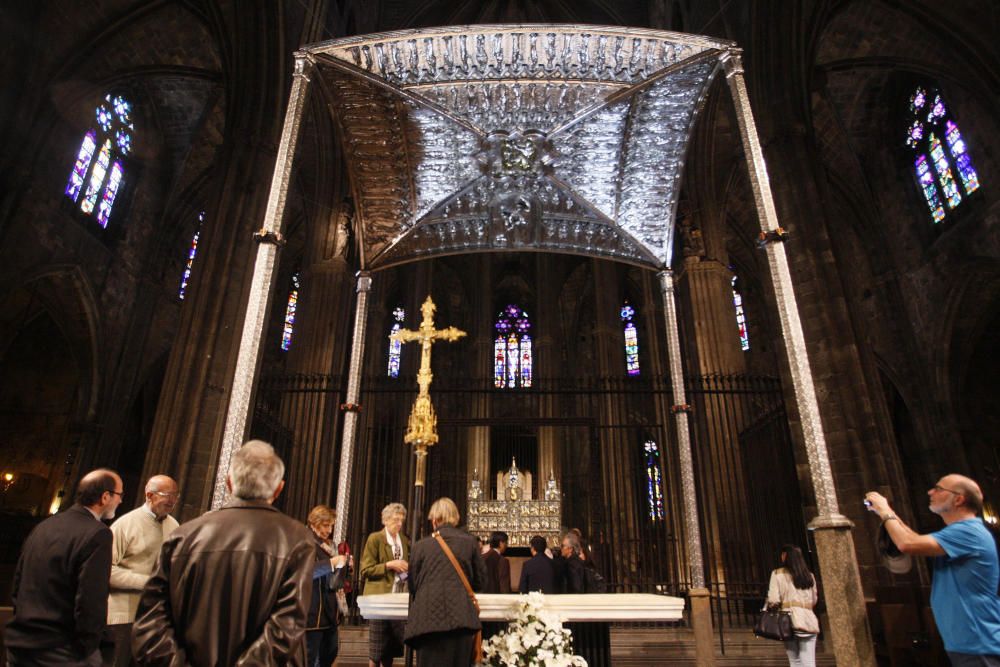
(793, 588)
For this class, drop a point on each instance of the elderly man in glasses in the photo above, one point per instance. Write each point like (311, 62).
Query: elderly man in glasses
(966, 570)
(138, 537)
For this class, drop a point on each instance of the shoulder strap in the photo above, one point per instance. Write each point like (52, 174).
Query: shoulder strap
(458, 569)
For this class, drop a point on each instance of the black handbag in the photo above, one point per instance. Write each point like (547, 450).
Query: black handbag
(774, 624)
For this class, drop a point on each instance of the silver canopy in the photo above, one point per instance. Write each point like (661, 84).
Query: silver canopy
(550, 138)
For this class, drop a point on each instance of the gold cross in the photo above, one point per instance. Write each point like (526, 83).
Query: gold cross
(421, 431)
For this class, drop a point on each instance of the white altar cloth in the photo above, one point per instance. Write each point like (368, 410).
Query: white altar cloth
(572, 608)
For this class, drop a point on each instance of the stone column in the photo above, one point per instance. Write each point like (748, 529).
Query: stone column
(706, 294)
(316, 359)
(845, 598)
(268, 240)
(701, 614)
(351, 402)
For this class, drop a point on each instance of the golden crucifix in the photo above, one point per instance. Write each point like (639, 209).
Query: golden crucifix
(421, 431)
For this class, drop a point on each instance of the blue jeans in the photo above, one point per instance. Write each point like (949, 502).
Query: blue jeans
(801, 650)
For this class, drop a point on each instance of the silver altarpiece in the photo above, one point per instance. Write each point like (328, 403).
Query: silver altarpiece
(544, 138)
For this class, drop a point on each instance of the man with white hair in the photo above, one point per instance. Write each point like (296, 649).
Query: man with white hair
(138, 536)
(232, 586)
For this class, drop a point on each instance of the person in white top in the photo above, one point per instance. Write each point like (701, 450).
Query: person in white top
(138, 536)
(793, 588)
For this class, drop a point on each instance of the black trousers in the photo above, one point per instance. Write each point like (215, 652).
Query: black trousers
(445, 649)
(592, 641)
(116, 648)
(62, 656)
(321, 647)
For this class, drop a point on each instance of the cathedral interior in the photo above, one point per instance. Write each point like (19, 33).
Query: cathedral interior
(150, 133)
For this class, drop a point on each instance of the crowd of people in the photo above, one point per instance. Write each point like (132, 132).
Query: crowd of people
(248, 585)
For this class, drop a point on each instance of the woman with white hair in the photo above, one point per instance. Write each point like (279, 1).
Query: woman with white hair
(384, 565)
(443, 620)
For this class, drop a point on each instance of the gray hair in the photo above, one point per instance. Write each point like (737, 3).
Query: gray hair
(444, 511)
(391, 510)
(255, 471)
(573, 539)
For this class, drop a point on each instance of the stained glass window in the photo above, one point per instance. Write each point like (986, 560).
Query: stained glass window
(395, 347)
(512, 356)
(654, 480)
(936, 162)
(293, 300)
(631, 339)
(103, 175)
(192, 251)
(741, 318)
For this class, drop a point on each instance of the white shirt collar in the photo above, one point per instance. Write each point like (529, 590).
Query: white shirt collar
(93, 513)
(396, 542)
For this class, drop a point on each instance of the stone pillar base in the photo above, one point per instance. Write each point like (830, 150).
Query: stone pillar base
(701, 623)
(845, 599)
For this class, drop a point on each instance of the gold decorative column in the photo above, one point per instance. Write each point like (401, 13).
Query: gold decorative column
(268, 239)
(842, 581)
(421, 429)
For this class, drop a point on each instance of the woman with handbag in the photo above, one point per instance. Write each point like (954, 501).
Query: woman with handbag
(445, 570)
(793, 588)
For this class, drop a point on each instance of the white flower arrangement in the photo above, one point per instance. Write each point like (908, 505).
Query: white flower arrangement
(535, 638)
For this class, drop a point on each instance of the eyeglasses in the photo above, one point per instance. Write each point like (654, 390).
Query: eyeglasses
(117, 493)
(938, 487)
(167, 494)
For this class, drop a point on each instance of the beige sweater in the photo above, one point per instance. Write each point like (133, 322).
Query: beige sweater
(798, 602)
(137, 541)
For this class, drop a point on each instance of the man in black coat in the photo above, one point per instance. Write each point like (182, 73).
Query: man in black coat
(443, 621)
(497, 565)
(538, 573)
(61, 583)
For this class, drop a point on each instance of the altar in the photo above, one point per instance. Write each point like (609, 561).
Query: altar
(514, 511)
(592, 608)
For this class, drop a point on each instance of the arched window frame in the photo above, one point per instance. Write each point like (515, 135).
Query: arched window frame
(291, 308)
(939, 158)
(192, 251)
(654, 479)
(395, 346)
(513, 356)
(741, 317)
(631, 334)
(97, 178)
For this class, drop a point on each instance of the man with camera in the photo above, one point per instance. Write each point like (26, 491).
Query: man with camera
(966, 569)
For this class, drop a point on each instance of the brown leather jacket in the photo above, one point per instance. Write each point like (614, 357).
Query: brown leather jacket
(232, 587)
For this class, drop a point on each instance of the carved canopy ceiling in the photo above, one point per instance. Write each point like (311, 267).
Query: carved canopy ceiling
(516, 137)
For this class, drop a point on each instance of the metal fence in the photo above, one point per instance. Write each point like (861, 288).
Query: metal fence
(597, 430)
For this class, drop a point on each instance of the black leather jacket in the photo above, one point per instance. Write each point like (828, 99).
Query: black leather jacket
(232, 587)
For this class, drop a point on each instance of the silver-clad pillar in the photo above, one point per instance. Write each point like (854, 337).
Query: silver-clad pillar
(268, 241)
(841, 578)
(698, 594)
(351, 403)
(691, 527)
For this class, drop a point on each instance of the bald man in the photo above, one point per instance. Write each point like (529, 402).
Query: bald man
(966, 569)
(138, 537)
(60, 589)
